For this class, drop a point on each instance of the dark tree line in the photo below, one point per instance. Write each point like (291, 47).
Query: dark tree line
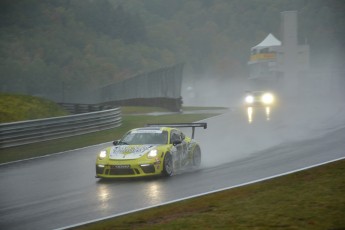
(117, 23)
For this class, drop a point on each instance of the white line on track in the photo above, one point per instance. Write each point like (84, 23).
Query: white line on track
(49, 155)
(201, 194)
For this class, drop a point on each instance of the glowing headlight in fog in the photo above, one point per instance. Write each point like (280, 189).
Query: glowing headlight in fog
(249, 99)
(152, 153)
(267, 98)
(102, 154)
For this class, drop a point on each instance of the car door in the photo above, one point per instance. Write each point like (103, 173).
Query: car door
(184, 149)
(180, 147)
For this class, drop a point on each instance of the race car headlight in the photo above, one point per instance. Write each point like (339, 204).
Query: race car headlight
(267, 98)
(249, 99)
(153, 153)
(102, 154)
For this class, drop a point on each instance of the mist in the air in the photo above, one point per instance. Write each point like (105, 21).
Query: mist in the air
(309, 93)
(308, 108)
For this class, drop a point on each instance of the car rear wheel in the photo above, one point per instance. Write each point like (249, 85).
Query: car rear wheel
(168, 165)
(196, 156)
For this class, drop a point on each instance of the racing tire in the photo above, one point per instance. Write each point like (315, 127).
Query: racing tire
(196, 156)
(167, 165)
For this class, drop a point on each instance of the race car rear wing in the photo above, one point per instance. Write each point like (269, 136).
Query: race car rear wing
(181, 125)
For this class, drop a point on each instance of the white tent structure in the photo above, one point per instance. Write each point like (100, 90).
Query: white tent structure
(269, 41)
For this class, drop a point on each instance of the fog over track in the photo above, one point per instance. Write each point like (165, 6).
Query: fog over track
(61, 190)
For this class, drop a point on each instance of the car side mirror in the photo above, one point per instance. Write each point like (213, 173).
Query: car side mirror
(115, 142)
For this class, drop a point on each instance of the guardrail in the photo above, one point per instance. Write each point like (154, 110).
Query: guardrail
(27, 132)
(85, 108)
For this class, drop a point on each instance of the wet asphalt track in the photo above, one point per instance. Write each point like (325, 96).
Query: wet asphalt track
(61, 190)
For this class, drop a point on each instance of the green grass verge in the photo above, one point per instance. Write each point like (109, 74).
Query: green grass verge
(15, 107)
(141, 109)
(64, 144)
(196, 108)
(312, 199)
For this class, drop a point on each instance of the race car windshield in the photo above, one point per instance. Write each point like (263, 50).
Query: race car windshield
(144, 138)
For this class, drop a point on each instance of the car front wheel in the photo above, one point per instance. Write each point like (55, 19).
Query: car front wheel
(168, 165)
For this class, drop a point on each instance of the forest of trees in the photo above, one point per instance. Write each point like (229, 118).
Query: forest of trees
(50, 46)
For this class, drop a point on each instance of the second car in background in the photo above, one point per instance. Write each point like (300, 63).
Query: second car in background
(259, 100)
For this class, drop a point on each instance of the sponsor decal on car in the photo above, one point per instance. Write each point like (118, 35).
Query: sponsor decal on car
(128, 151)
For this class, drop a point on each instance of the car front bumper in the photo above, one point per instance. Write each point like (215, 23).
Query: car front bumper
(125, 169)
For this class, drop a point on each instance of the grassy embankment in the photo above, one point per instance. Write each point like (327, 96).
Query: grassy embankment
(22, 107)
(19, 107)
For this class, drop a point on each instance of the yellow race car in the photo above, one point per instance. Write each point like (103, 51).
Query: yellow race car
(157, 149)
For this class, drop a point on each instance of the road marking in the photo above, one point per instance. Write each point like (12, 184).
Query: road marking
(50, 155)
